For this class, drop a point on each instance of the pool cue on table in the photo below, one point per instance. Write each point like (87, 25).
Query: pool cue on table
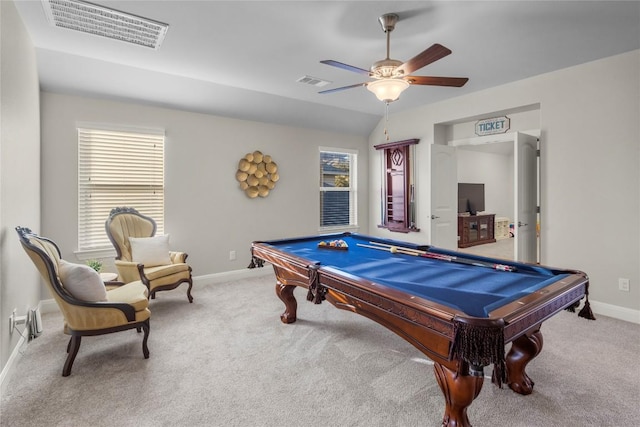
(449, 258)
(395, 249)
(442, 257)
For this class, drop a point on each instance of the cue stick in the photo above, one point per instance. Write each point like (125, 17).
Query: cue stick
(442, 257)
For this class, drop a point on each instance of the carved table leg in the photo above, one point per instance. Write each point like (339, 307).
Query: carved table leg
(523, 350)
(285, 293)
(459, 391)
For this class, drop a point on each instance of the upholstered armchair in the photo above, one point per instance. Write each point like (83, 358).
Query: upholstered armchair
(87, 307)
(141, 255)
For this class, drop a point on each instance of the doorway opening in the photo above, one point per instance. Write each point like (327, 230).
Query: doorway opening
(508, 167)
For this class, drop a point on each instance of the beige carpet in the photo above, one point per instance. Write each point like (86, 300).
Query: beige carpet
(227, 360)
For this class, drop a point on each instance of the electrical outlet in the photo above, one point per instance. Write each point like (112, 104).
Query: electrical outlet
(232, 255)
(623, 284)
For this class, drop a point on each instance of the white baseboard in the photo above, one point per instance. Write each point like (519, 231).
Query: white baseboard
(8, 367)
(229, 276)
(48, 306)
(617, 312)
(14, 357)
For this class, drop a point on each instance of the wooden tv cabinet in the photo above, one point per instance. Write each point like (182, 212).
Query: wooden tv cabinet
(475, 230)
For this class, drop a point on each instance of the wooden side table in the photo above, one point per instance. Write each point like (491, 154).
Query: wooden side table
(110, 280)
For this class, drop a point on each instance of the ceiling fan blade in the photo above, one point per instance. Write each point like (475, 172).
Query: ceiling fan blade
(437, 81)
(432, 54)
(338, 89)
(346, 67)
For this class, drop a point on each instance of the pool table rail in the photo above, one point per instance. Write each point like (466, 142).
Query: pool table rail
(528, 312)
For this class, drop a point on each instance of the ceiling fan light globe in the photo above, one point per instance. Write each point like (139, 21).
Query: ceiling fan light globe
(387, 90)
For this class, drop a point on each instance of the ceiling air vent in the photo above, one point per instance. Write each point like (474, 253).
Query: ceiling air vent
(102, 21)
(313, 81)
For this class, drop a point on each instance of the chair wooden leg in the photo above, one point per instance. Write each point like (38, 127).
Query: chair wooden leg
(189, 291)
(145, 349)
(72, 349)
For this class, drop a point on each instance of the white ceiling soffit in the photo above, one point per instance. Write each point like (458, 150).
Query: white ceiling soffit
(105, 22)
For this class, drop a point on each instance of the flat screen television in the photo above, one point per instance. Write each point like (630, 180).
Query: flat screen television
(470, 198)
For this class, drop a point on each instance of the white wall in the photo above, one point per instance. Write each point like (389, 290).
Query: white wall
(206, 213)
(19, 172)
(495, 171)
(590, 167)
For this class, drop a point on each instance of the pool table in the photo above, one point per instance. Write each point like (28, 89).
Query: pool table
(460, 310)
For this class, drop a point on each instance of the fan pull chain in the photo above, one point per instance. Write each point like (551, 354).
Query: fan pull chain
(386, 119)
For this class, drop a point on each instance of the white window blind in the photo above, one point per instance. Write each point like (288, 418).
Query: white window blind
(338, 195)
(117, 169)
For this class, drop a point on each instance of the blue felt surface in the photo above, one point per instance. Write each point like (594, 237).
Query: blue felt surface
(474, 290)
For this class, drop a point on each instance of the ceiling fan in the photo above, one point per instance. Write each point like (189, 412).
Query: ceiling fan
(391, 76)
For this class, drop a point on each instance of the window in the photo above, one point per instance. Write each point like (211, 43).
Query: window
(117, 168)
(338, 195)
(398, 207)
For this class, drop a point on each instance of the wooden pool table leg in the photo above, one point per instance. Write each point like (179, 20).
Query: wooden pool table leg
(285, 293)
(523, 350)
(459, 391)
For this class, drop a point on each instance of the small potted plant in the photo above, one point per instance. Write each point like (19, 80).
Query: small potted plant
(95, 264)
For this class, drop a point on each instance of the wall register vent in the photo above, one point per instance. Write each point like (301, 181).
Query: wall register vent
(105, 22)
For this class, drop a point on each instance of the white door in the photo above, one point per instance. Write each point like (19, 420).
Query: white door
(526, 197)
(444, 196)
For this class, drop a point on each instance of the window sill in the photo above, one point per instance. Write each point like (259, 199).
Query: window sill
(95, 254)
(338, 229)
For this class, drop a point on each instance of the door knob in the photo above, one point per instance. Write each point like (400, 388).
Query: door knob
(434, 217)
(521, 224)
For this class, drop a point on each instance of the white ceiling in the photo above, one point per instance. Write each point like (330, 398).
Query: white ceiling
(242, 58)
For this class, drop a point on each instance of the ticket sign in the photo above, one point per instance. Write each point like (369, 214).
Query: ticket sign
(491, 126)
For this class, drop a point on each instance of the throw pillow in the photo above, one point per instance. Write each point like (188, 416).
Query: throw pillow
(82, 281)
(150, 251)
